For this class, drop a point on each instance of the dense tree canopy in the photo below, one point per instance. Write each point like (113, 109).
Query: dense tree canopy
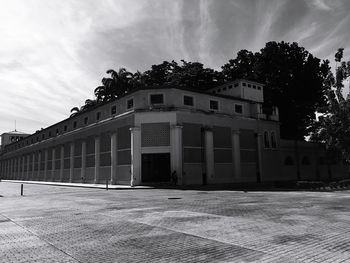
(293, 78)
(333, 127)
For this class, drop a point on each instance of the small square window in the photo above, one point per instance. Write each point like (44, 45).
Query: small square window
(43, 136)
(254, 87)
(157, 98)
(244, 84)
(130, 103)
(230, 87)
(214, 105)
(249, 85)
(219, 90)
(86, 120)
(238, 108)
(65, 128)
(98, 116)
(188, 101)
(259, 88)
(114, 110)
(236, 85)
(74, 124)
(224, 88)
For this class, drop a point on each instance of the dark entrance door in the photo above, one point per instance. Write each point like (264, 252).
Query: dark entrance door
(155, 167)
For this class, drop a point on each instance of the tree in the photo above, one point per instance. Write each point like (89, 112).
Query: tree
(293, 81)
(333, 127)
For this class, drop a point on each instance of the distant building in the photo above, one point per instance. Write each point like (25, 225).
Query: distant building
(216, 137)
(13, 136)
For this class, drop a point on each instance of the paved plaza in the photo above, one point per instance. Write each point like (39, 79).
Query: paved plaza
(69, 224)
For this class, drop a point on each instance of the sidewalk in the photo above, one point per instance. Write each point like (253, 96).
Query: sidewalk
(100, 186)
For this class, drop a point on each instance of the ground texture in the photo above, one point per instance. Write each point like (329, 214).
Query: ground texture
(66, 224)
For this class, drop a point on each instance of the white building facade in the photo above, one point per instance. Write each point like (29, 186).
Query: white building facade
(217, 137)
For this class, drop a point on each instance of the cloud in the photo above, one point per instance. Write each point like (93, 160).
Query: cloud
(54, 53)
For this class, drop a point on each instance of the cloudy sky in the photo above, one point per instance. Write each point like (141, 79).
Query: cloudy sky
(54, 53)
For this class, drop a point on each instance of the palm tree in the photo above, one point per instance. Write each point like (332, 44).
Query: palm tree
(74, 111)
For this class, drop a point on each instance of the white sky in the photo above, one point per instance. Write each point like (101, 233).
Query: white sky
(53, 53)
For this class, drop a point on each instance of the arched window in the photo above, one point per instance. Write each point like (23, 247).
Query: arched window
(305, 161)
(273, 140)
(288, 161)
(266, 140)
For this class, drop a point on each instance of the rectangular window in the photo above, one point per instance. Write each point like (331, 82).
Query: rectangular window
(259, 88)
(236, 85)
(65, 127)
(43, 136)
(214, 105)
(130, 103)
(49, 133)
(238, 108)
(57, 131)
(74, 124)
(98, 116)
(249, 85)
(157, 98)
(188, 100)
(254, 87)
(86, 120)
(224, 88)
(243, 84)
(114, 110)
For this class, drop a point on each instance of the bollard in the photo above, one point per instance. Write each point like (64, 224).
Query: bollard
(21, 189)
(107, 184)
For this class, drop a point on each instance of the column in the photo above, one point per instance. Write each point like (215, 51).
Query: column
(62, 163)
(176, 152)
(19, 168)
(53, 166)
(14, 168)
(46, 156)
(135, 156)
(97, 159)
(236, 154)
(114, 158)
(209, 153)
(259, 173)
(71, 167)
(39, 166)
(33, 161)
(83, 161)
(28, 166)
(23, 167)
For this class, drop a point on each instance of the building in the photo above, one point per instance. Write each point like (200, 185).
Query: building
(10, 137)
(217, 137)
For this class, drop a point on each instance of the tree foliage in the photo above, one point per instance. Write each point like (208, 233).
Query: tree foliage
(293, 81)
(333, 127)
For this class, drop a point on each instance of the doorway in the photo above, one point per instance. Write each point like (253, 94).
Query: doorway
(155, 167)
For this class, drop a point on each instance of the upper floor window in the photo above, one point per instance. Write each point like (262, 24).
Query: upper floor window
(273, 140)
(156, 98)
(114, 110)
(236, 85)
(249, 85)
(188, 100)
(266, 140)
(65, 127)
(43, 136)
(224, 88)
(238, 108)
(49, 133)
(214, 105)
(130, 103)
(244, 84)
(230, 87)
(86, 120)
(254, 87)
(98, 115)
(74, 124)
(57, 131)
